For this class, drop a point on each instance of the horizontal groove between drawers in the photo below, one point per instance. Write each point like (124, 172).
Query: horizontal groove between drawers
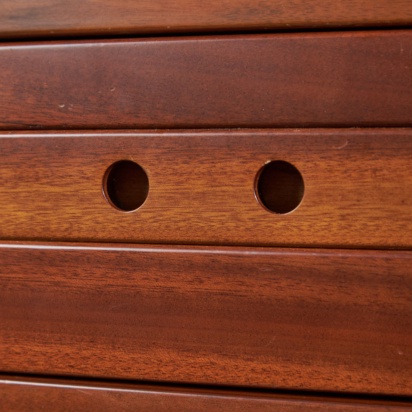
(18, 390)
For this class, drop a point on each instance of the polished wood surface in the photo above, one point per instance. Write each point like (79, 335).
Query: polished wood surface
(49, 18)
(235, 181)
(314, 79)
(357, 187)
(28, 394)
(328, 320)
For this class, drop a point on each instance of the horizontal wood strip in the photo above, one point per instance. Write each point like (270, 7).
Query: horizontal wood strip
(327, 79)
(357, 187)
(37, 394)
(75, 17)
(286, 319)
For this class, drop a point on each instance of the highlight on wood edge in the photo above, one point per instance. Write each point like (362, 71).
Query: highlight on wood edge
(28, 392)
(278, 186)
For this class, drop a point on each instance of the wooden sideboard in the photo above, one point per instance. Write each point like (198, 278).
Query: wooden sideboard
(206, 206)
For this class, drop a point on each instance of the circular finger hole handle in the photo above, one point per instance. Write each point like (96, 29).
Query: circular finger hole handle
(279, 187)
(125, 185)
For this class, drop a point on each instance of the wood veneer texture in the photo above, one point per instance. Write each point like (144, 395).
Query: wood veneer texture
(75, 17)
(328, 320)
(37, 394)
(313, 79)
(357, 187)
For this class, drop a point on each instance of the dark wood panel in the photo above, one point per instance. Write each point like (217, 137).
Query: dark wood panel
(75, 17)
(38, 394)
(327, 79)
(298, 319)
(357, 187)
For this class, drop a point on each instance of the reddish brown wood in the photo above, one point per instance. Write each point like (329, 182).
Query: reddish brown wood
(327, 79)
(75, 17)
(298, 319)
(38, 394)
(358, 187)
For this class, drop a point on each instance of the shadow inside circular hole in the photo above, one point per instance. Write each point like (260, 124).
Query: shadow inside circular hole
(126, 185)
(280, 187)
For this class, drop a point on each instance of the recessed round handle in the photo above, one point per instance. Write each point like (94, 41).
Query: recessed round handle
(125, 185)
(279, 187)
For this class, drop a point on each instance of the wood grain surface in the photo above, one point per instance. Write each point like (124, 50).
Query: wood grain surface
(26, 394)
(313, 79)
(269, 318)
(87, 17)
(357, 187)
